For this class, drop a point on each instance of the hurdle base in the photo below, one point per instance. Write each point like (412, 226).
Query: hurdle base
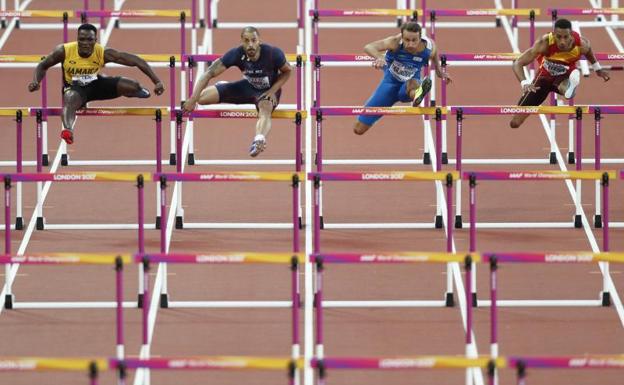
(8, 301)
(606, 299)
(571, 158)
(444, 158)
(158, 222)
(45, 160)
(598, 221)
(426, 158)
(458, 222)
(64, 160)
(17, 24)
(438, 222)
(475, 303)
(450, 300)
(179, 222)
(202, 23)
(40, 223)
(19, 223)
(578, 223)
(321, 222)
(140, 301)
(117, 23)
(172, 159)
(191, 159)
(498, 22)
(164, 300)
(300, 223)
(553, 158)
(214, 23)
(3, 24)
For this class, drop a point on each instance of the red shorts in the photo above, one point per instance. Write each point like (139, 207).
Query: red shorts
(546, 84)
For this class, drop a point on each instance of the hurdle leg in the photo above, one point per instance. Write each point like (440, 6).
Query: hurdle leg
(119, 309)
(190, 130)
(553, 132)
(597, 214)
(40, 220)
(19, 218)
(577, 213)
(44, 137)
(172, 142)
(571, 155)
(8, 298)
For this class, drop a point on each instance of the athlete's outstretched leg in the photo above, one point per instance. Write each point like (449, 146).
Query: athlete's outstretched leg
(263, 126)
(130, 88)
(72, 102)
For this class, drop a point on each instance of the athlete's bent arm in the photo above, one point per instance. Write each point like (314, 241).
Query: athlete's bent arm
(214, 70)
(435, 59)
(589, 54)
(57, 56)
(377, 49)
(527, 58)
(131, 60)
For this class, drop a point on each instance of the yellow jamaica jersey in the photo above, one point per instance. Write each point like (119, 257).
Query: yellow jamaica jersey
(81, 70)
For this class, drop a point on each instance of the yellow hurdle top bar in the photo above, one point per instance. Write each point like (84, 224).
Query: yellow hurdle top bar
(43, 364)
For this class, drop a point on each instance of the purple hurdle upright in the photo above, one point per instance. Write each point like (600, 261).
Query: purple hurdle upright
(119, 299)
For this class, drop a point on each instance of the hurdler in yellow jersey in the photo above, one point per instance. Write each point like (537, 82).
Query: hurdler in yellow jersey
(82, 62)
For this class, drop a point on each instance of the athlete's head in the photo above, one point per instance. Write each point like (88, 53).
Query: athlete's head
(563, 34)
(87, 36)
(410, 34)
(250, 40)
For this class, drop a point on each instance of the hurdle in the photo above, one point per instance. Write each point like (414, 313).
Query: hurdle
(91, 366)
(319, 113)
(18, 114)
(460, 112)
(322, 365)
(233, 111)
(298, 115)
(233, 176)
(498, 12)
(540, 175)
(218, 363)
(601, 13)
(317, 13)
(139, 178)
(74, 259)
(382, 176)
(293, 260)
(213, 22)
(350, 60)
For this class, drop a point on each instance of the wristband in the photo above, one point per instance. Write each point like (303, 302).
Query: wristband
(524, 82)
(596, 66)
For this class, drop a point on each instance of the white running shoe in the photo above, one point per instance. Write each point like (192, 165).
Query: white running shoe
(257, 146)
(573, 81)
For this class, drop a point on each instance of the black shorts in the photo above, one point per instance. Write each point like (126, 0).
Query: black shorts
(242, 92)
(103, 88)
(546, 84)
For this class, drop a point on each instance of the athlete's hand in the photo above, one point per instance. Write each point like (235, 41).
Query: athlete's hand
(189, 105)
(33, 86)
(449, 80)
(604, 74)
(270, 96)
(379, 63)
(159, 88)
(528, 86)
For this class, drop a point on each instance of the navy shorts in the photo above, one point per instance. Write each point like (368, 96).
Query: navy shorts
(242, 92)
(103, 88)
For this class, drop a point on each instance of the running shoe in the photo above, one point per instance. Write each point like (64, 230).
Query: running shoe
(573, 81)
(257, 146)
(421, 91)
(67, 136)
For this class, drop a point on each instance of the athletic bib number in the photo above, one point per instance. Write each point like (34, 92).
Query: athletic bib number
(401, 72)
(555, 69)
(259, 83)
(83, 80)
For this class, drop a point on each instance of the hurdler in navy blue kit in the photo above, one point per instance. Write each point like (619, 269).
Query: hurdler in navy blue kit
(265, 70)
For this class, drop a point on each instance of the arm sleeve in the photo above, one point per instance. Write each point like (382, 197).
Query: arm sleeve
(231, 58)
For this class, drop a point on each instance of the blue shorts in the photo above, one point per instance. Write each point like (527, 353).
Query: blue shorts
(388, 92)
(242, 92)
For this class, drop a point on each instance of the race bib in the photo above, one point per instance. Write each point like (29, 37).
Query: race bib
(401, 72)
(555, 69)
(259, 83)
(83, 80)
